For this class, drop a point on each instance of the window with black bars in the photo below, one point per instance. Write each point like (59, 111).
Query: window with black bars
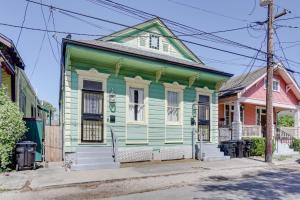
(204, 117)
(92, 112)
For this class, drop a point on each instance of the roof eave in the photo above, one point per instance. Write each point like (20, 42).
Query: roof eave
(68, 41)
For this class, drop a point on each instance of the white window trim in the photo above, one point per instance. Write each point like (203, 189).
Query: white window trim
(137, 82)
(175, 87)
(274, 80)
(260, 112)
(207, 92)
(92, 75)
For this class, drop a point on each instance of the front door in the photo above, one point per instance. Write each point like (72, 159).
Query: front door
(263, 123)
(92, 112)
(204, 118)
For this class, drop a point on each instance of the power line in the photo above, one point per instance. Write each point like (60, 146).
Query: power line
(51, 31)
(182, 26)
(167, 36)
(185, 26)
(170, 21)
(85, 21)
(46, 26)
(221, 31)
(283, 53)
(54, 35)
(40, 50)
(23, 21)
(208, 11)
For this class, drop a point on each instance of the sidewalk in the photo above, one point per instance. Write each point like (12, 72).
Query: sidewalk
(56, 176)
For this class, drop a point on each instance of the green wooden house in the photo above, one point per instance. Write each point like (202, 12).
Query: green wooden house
(141, 86)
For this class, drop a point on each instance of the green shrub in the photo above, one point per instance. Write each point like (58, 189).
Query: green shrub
(296, 145)
(258, 146)
(12, 128)
(286, 121)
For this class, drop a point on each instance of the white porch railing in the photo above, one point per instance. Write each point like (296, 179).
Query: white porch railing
(251, 131)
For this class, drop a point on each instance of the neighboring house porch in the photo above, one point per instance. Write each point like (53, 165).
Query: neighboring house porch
(242, 111)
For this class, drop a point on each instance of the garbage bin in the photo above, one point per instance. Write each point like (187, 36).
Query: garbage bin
(240, 148)
(229, 148)
(25, 155)
(247, 148)
(232, 148)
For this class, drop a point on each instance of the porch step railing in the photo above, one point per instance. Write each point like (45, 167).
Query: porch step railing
(293, 131)
(283, 137)
(114, 141)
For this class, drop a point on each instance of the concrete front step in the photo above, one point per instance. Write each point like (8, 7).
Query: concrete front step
(92, 166)
(212, 158)
(88, 160)
(94, 154)
(94, 157)
(94, 148)
(211, 152)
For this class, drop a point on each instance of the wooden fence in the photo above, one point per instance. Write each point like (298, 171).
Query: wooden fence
(53, 144)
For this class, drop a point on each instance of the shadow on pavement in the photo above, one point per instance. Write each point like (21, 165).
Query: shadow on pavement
(265, 185)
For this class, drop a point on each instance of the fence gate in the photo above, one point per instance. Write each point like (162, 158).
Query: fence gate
(53, 144)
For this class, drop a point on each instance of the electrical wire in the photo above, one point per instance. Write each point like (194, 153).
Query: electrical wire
(23, 21)
(283, 53)
(46, 27)
(207, 11)
(167, 36)
(40, 50)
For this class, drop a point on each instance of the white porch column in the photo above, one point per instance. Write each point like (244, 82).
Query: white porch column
(237, 124)
(297, 121)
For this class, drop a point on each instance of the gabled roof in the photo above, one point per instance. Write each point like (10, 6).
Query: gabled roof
(148, 24)
(242, 82)
(117, 48)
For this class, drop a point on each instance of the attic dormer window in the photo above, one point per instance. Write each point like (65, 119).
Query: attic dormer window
(154, 42)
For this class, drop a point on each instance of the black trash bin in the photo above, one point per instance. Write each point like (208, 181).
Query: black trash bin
(224, 147)
(232, 148)
(229, 148)
(247, 148)
(240, 148)
(25, 155)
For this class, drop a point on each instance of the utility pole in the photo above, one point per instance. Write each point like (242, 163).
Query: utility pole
(270, 63)
(269, 94)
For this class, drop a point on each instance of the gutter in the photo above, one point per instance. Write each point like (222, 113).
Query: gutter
(68, 41)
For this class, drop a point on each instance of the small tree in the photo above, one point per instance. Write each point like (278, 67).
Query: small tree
(50, 108)
(286, 121)
(12, 128)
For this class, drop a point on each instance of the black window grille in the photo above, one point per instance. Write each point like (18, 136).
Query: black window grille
(204, 117)
(92, 112)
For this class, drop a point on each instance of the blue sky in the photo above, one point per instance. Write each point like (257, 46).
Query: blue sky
(225, 15)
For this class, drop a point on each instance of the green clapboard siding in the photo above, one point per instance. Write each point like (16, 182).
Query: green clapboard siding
(155, 133)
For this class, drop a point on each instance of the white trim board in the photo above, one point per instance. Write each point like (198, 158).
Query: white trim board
(263, 103)
(137, 82)
(174, 87)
